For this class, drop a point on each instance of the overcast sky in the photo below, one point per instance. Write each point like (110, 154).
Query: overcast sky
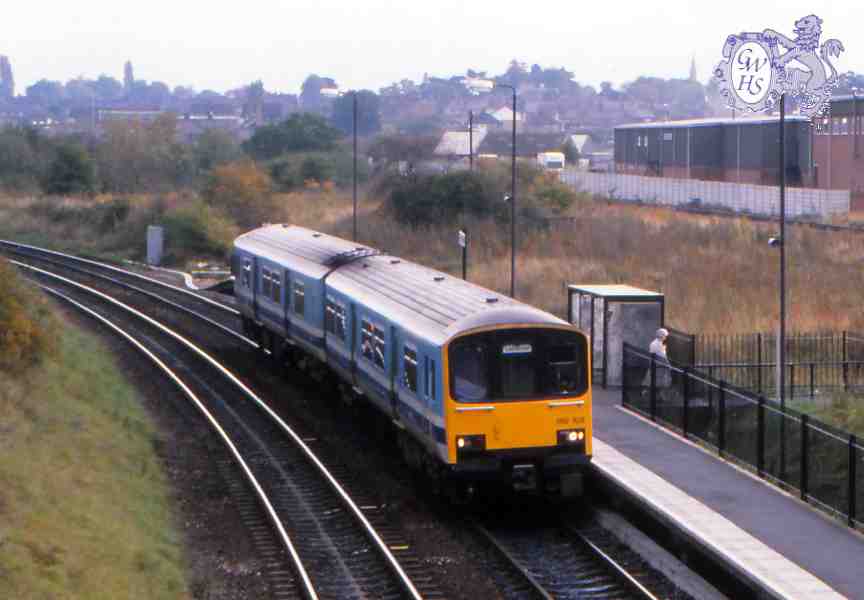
(370, 44)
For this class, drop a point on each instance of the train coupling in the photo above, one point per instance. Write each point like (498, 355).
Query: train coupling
(525, 478)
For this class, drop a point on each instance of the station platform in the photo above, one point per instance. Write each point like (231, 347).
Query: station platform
(785, 547)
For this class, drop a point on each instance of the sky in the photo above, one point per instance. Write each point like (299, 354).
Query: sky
(370, 44)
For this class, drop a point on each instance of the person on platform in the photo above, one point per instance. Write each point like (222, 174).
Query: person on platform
(657, 349)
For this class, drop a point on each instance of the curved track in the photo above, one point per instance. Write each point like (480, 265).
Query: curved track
(325, 528)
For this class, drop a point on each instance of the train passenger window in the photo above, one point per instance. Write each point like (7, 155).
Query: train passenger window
(334, 319)
(430, 377)
(565, 374)
(372, 344)
(277, 288)
(247, 273)
(470, 379)
(409, 367)
(265, 282)
(299, 297)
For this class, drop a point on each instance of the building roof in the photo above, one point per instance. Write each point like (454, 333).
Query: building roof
(713, 122)
(455, 143)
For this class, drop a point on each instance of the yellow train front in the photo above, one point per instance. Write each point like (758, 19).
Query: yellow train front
(518, 401)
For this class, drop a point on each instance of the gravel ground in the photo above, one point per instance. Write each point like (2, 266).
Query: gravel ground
(221, 559)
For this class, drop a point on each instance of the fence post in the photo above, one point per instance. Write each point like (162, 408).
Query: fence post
(685, 418)
(692, 349)
(805, 446)
(721, 421)
(791, 381)
(758, 363)
(812, 386)
(852, 479)
(653, 408)
(760, 440)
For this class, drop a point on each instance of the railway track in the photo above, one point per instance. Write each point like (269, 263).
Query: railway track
(586, 572)
(334, 549)
(562, 562)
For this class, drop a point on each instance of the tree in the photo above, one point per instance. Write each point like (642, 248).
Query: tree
(71, 171)
(214, 147)
(571, 152)
(21, 162)
(441, 199)
(300, 132)
(368, 113)
(411, 148)
(107, 88)
(310, 91)
(46, 93)
(254, 93)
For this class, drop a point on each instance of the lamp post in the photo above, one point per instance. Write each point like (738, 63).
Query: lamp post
(470, 140)
(354, 186)
(485, 85)
(512, 197)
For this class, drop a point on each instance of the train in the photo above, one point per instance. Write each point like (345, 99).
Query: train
(478, 386)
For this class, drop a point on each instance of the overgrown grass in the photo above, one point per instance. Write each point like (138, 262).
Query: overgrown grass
(84, 506)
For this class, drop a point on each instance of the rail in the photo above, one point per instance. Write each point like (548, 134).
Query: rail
(307, 588)
(107, 267)
(352, 507)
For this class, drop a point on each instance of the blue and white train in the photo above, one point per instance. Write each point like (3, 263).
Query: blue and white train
(479, 386)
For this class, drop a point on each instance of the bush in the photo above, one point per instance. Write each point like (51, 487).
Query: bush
(196, 230)
(71, 171)
(242, 191)
(26, 324)
(440, 199)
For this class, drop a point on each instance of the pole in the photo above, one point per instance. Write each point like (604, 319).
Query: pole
(782, 249)
(513, 205)
(781, 350)
(354, 192)
(465, 256)
(470, 141)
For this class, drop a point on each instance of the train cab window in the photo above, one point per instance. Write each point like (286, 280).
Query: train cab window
(470, 377)
(265, 283)
(299, 297)
(277, 288)
(247, 273)
(409, 369)
(334, 319)
(517, 370)
(565, 371)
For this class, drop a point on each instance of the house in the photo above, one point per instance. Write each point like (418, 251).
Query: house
(528, 145)
(455, 144)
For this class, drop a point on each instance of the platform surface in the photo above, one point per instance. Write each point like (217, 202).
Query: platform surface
(795, 551)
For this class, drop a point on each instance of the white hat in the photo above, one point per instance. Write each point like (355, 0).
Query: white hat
(662, 333)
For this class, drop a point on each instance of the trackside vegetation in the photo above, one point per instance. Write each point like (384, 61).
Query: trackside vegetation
(84, 505)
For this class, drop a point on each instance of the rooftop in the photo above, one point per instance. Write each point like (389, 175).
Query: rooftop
(713, 122)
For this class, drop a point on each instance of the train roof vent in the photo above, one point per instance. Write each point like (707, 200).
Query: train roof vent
(491, 300)
(438, 278)
(343, 258)
(395, 261)
(316, 235)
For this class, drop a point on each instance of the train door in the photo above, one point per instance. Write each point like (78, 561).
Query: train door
(286, 302)
(393, 363)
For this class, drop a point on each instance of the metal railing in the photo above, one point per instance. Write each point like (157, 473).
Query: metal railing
(790, 449)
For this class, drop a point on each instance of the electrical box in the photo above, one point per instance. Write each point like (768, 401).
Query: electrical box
(612, 315)
(155, 244)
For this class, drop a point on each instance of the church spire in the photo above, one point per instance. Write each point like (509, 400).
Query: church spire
(693, 76)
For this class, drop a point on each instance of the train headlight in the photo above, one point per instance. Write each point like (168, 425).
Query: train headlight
(571, 437)
(467, 444)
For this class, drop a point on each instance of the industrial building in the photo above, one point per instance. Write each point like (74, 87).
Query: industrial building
(837, 148)
(743, 150)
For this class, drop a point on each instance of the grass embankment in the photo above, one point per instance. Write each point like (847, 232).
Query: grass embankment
(84, 506)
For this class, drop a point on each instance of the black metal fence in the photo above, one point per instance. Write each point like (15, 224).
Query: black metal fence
(814, 381)
(760, 348)
(822, 463)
